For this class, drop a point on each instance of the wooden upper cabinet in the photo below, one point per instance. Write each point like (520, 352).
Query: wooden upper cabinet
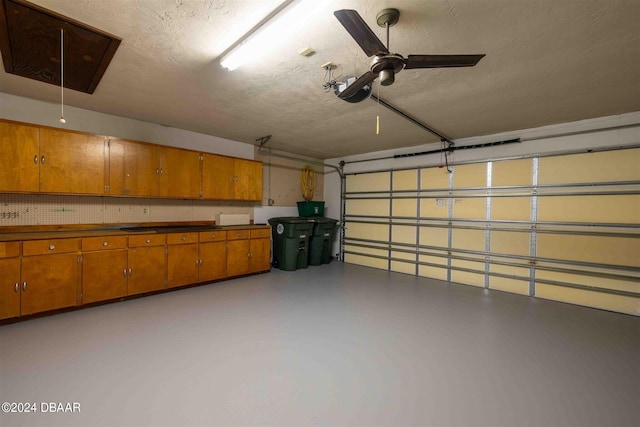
(72, 162)
(179, 173)
(248, 179)
(217, 177)
(19, 157)
(228, 178)
(133, 168)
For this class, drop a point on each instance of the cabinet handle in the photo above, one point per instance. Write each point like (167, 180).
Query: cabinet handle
(124, 272)
(148, 240)
(184, 238)
(35, 159)
(129, 272)
(16, 288)
(42, 160)
(213, 236)
(161, 171)
(105, 243)
(200, 262)
(52, 247)
(239, 234)
(157, 171)
(250, 254)
(24, 286)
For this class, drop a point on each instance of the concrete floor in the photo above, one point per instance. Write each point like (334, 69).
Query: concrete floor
(331, 345)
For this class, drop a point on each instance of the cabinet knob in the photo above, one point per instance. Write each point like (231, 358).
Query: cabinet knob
(24, 286)
(129, 271)
(184, 238)
(35, 159)
(16, 288)
(213, 236)
(42, 160)
(124, 272)
(105, 243)
(148, 240)
(52, 247)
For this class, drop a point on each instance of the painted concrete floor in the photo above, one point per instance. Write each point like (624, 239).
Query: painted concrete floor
(334, 345)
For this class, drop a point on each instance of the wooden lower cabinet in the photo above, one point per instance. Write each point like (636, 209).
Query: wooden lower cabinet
(44, 275)
(104, 268)
(259, 255)
(182, 259)
(147, 263)
(10, 288)
(49, 282)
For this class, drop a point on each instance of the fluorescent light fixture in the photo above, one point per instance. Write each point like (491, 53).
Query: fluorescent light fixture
(283, 26)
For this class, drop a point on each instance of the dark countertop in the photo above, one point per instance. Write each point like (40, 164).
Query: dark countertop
(119, 231)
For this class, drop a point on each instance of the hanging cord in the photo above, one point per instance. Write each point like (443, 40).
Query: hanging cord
(378, 115)
(308, 182)
(62, 120)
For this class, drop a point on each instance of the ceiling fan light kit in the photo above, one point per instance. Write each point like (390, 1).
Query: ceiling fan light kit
(385, 65)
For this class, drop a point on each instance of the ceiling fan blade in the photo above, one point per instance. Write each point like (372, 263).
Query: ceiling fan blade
(354, 87)
(441, 61)
(361, 32)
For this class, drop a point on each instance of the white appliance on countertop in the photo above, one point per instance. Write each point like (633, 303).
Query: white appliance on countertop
(233, 219)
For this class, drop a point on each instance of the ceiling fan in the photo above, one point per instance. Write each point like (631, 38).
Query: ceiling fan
(385, 64)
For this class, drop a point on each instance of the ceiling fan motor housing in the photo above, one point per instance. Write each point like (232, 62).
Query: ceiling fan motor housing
(386, 66)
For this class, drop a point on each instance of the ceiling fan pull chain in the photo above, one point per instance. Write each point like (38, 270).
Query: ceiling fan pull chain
(378, 115)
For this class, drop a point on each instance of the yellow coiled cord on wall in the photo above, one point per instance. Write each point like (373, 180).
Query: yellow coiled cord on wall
(308, 182)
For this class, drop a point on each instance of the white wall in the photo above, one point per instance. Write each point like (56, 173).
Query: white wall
(28, 110)
(590, 134)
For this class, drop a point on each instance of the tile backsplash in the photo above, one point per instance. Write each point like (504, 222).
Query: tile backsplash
(32, 209)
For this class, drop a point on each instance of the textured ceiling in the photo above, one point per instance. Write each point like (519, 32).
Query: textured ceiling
(547, 62)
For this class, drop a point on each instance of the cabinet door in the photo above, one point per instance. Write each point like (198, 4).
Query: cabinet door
(19, 158)
(71, 162)
(10, 288)
(50, 282)
(237, 257)
(260, 250)
(248, 180)
(213, 261)
(147, 269)
(179, 173)
(218, 177)
(134, 168)
(182, 262)
(104, 275)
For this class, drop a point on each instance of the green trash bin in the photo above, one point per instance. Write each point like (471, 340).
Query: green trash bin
(324, 231)
(290, 237)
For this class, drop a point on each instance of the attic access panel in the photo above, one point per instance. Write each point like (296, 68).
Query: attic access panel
(30, 45)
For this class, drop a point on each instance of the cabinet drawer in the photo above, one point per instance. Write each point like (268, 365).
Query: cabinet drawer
(212, 236)
(9, 249)
(182, 238)
(260, 232)
(147, 240)
(51, 246)
(103, 243)
(237, 234)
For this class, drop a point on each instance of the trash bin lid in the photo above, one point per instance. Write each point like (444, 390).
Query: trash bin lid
(289, 220)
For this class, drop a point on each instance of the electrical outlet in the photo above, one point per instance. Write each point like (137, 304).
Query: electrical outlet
(145, 210)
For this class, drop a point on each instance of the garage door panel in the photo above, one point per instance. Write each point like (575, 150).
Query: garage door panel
(592, 249)
(606, 166)
(404, 234)
(434, 179)
(405, 207)
(378, 232)
(432, 272)
(510, 242)
(511, 208)
(468, 239)
(405, 180)
(434, 236)
(619, 303)
(470, 176)
(590, 209)
(366, 261)
(511, 173)
(368, 207)
(587, 280)
(379, 181)
(470, 208)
